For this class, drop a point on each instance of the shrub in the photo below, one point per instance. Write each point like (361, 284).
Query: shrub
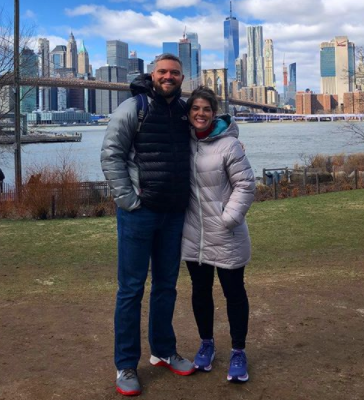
(319, 161)
(52, 189)
(263, 192)
(338, 160)
(354, 161)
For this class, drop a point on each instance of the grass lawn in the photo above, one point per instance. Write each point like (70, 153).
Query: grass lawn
(75, 254)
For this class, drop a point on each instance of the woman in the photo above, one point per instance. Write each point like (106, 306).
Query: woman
(215, 232)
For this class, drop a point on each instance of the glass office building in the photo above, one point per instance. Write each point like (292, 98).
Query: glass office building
(231, 45)
(255, 56)
(337, 67)
(117, 53)
(170, 47)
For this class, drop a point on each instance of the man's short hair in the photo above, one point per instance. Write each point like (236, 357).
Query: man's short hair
(167, 56)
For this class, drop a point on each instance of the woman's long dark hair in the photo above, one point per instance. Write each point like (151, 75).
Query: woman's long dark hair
(203, 92)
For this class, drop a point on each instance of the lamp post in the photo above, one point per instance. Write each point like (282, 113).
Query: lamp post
(17, 149)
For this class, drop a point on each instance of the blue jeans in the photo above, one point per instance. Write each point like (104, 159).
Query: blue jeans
(144, 235)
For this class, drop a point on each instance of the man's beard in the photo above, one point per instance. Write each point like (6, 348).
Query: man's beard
(165, 94)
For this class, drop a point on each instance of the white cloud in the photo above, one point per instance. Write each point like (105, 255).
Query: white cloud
(338, 8)
(82, 10)
(126, 1)
(170, 4)
(279, 10)
(212, 61)
(29, 14)
(55, 41)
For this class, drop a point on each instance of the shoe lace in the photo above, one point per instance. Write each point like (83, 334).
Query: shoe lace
(205, 348)
(238, 359)
(129, 373)
(177, 357)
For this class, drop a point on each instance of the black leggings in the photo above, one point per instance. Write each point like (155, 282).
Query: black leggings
(232, 282)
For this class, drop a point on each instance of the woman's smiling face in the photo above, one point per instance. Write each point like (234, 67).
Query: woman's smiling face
(201, 115)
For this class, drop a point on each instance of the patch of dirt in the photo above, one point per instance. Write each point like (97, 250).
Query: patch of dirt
(306, 342)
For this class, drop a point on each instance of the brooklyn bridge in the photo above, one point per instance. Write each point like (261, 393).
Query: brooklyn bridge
(74, 83)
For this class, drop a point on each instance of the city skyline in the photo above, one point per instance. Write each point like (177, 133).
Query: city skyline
(296, 31)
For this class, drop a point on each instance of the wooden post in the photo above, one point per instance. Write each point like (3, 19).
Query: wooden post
(264, 177)
(53, 206)
(275, 194)
(356, 178)
(317, 183)
(304, 176)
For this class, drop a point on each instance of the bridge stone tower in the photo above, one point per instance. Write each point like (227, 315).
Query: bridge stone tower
(216, 79)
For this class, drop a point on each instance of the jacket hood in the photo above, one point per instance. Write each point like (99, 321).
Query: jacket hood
(225, 125)
(143, 84)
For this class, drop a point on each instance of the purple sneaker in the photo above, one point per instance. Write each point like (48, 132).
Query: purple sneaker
(205, 355)
(238, 371)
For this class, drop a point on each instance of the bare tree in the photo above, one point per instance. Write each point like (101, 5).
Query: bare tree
(7, 60)
(359, 73)
(7, 68)
(355, 130)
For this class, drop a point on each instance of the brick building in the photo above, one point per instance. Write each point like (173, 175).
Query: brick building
(310, 103)
(354, 103)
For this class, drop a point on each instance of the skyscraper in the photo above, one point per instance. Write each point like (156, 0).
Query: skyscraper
(292, 85)
(241, 70)
(117, 53)
(170, 47)
(195, 59)
(58, 58)
(72, 55)
(108, 100)
(231, 44)
(189, 51)
(255, 75)
(28, 68)
(58, 61)
(83, 60)
(44, 71)
(285, 83)
(135, 64)
(184, 54)
(337, 66)
(269, 78)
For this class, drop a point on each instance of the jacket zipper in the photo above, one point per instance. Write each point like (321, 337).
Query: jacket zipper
(199, 205)
(171, 125)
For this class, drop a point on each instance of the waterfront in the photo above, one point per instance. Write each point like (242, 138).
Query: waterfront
(268, 145)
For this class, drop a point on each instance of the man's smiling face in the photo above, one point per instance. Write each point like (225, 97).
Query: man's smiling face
(167, 78)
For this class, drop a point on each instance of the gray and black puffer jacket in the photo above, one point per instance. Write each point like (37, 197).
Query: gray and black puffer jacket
(148, 168)
(222, 190)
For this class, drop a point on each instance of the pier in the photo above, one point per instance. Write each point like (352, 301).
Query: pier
(42, 138)
(278, 117)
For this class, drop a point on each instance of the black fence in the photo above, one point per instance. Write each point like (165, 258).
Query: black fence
(281, 183)
(89, 192)
(68, 199)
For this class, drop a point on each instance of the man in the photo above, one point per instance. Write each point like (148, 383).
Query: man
(147, 168)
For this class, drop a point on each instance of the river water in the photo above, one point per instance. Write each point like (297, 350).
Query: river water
(268, 145)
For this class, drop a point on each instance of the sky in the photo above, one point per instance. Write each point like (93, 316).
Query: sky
(296, 27)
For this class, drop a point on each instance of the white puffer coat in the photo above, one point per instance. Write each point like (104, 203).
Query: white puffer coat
(222, 190)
